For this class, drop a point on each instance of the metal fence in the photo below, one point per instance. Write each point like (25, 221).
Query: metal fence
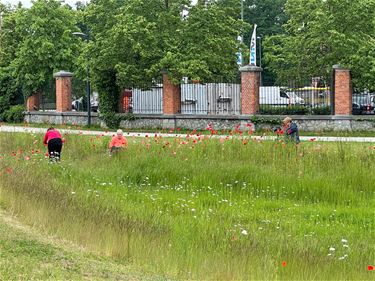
(211, 99)
(148, 101)
(363, 103)
(308, 99)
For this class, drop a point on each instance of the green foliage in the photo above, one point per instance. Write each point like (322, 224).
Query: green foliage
(320, 34)
(283, 110)
(111, 119)
(46, 44)
(258, 119)
(14, 114)
(270, 16)
(322, 110)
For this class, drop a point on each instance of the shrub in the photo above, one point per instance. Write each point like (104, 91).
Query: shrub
(111, 119)
(14, 114)
(323, 110)
(280, 110)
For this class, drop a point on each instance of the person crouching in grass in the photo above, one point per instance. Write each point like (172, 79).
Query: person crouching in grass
(290, 131)
(118, 142)
(54, 143)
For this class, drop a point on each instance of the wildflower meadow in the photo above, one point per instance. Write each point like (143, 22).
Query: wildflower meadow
(231, 207)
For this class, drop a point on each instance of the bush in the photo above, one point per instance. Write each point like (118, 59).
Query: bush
(14, 114)
(111, 119)
(323, 110)
(280, 110)
(294, 110)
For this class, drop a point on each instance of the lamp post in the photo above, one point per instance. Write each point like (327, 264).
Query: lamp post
(260, 57)
(88, 90)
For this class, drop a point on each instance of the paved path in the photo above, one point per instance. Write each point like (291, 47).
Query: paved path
(19, 129)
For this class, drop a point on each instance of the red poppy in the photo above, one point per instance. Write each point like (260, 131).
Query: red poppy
(283, 264)
(370, 267)
(9, 170)
(313, 139)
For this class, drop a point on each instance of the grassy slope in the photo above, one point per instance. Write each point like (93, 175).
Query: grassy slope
(294, 204)
(28, 255)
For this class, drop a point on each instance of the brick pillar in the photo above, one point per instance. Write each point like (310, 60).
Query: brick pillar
(63, 91)
(33, 102)
(343, 91)
(171, 96)
(250, 83)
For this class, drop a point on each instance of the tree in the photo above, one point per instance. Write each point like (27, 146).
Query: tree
(132, 41)
(320, 34)
(46, 44)
(10, 91)
(207, 43)
(270, 16)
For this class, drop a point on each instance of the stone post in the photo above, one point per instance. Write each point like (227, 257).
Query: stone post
(343, 91)
(33, 102)
(63, 91)
(171, 96)
(250, 83)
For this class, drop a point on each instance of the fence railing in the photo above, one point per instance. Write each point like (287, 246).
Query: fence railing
(363, 103)
(211, 99)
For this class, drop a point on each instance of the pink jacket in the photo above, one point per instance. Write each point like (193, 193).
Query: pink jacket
(52, 134)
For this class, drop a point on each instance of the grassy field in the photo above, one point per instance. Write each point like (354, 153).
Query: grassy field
(203, 208)
(27, 255)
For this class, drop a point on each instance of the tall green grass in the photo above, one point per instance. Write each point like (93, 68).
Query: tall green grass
(204, 208)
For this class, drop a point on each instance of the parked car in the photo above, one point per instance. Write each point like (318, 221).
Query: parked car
(81, 105)
(362, 105)
(279, 96)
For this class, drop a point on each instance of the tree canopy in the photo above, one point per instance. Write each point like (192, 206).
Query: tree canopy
(131, 41)
(322, 33)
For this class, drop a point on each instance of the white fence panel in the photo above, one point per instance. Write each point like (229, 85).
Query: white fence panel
(194, 99)
(224, 98)
(148, 101)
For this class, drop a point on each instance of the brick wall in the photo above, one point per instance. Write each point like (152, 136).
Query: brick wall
(171, 96)
(343, 91)
(250, 83)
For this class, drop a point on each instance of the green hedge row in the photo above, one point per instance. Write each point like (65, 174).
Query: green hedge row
(294, 110)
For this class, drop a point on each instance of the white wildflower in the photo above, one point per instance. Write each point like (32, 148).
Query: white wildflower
(344, 241)
(244, 232)
(331, 249)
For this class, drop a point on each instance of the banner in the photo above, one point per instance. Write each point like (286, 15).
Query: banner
(253, 47)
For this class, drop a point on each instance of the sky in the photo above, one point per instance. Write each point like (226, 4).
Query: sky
(27, 3)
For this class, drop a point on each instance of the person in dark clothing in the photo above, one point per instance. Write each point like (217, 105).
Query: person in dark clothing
(54, 143)
(290, 131)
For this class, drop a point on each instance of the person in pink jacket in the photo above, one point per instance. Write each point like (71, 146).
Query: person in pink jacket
(54, 143)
